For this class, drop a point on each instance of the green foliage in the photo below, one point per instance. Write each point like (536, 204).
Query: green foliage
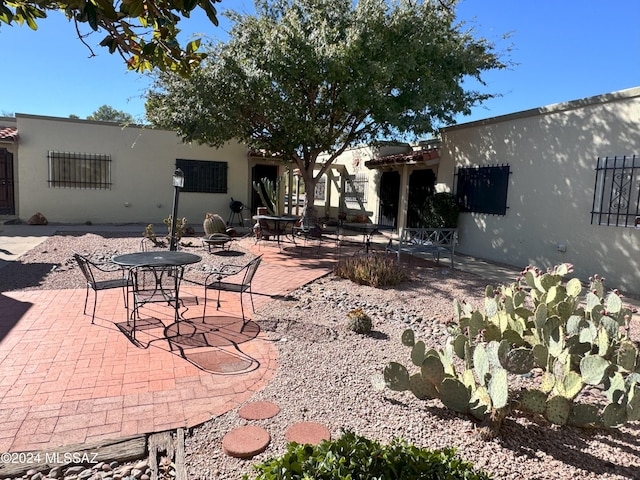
(269, 192)
(107, 113)
(144, 33)
(440, 211)
(181, 227)
(539, 321)
(355, 457)
(306, 80)
(359, 321)
(151, 235)
(374, 270)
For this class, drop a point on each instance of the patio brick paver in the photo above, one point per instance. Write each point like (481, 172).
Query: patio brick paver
(64, 381)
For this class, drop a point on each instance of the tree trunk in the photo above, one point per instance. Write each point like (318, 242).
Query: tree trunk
(309, 214)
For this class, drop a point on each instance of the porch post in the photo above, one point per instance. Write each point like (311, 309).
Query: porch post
(403, 204)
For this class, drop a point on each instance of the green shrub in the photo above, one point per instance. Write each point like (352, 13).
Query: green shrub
(440, 211)
(374, 270)
(355, 457)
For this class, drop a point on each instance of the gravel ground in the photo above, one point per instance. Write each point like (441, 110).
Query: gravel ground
(325, 374)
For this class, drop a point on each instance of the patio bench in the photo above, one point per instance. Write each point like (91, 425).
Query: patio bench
(425, 240)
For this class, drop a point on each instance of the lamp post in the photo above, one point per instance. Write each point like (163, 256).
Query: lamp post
(178, 183)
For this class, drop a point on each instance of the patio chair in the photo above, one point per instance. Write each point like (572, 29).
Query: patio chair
(90, 270)
(232, 278)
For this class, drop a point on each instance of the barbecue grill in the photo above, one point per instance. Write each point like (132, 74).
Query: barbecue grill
(236, 208)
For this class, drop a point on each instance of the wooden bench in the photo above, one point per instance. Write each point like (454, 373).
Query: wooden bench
(425, 240)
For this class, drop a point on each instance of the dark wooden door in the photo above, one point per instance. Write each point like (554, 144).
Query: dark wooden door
(389, 198)
(7, 199)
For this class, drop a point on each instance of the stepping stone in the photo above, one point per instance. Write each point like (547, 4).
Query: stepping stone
(245, 442)
(259, 410)
(307, 433)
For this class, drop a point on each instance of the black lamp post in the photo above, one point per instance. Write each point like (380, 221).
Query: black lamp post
(178, 183)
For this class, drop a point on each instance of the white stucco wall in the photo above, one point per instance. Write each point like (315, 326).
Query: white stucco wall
(552, 153)
(143, 161)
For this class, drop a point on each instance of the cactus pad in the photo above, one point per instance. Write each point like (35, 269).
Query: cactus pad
(633, 405)
(432, 369)
(533, 401)
(592, 369)
(396, 376)
(422, 388)
(408, 338)
(418, 353)
(481, 363)
(499, 388)
(519, 361)
(585, 415)
(627, 355)
(614, 415)
(455, 395)
(558, 410)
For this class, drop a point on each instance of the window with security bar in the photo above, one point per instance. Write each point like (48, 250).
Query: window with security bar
(203, 176)
(483, 189)
(79, 170)
(355, 189)
(616, 196)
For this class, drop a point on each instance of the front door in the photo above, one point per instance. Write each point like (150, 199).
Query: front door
(389, 198)
(422, 185)
(7, 200)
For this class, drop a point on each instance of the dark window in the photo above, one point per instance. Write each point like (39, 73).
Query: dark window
(203, 176)
(79, 170)
(617, 191)
(355, 189)
(483, 189)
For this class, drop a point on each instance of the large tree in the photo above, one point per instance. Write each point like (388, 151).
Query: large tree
(306, 79)
(143, 32)
(106, 113)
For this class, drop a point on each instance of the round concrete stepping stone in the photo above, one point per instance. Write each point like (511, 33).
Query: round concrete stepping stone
(245, 442)
(259, 410)
(307, 433)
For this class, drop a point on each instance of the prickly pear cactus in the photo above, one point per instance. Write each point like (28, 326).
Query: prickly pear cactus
(577, 338)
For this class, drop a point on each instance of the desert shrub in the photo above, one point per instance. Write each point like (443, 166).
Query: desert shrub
(374, 270)
(440, 211)
(353, 456)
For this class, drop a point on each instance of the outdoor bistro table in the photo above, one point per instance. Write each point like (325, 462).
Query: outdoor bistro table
(368, 230)
(158, 263)
(280, 223)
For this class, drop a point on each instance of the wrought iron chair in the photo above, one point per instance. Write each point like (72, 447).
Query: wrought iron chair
(232, 278)
(91, 270)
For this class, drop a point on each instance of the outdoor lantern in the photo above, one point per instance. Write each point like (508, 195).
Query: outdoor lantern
(178, 183)
(178, 178)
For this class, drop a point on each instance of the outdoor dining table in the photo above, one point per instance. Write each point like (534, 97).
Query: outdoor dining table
(158, 263)
(280, 223)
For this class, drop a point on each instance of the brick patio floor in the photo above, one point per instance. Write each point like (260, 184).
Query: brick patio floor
(64, 381)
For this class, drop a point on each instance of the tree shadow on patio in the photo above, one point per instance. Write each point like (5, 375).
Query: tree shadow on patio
(12, 311)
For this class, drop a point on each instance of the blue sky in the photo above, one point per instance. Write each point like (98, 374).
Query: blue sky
(562, 50)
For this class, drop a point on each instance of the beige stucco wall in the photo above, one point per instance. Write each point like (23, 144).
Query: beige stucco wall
(143, 161)
(552, 153)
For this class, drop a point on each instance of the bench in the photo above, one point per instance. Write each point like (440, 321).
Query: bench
(425, 240)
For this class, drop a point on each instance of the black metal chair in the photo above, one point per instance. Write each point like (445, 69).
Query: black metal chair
(90, 270)
(232, 278)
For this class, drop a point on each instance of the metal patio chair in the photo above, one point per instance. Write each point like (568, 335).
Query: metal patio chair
(232, 278)
(91, 270)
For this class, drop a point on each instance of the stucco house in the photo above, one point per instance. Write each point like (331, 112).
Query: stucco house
(79, 171)
(544, 186)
